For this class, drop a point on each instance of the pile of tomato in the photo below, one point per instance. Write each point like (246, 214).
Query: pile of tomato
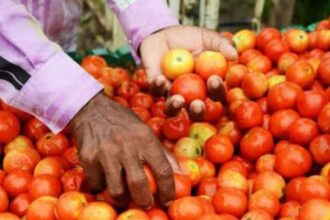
(263, 154)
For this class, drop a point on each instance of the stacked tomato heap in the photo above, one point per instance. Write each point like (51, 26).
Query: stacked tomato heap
(265, 154)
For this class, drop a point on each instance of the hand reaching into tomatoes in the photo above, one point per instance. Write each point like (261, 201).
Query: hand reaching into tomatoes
(195, 40)
(115, 142)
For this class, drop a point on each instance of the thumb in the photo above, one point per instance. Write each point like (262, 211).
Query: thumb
(214, 41)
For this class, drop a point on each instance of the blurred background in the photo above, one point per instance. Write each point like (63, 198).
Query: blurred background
(100, 28)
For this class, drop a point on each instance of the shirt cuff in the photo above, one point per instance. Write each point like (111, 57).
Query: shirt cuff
(142, 18)
(56, 92)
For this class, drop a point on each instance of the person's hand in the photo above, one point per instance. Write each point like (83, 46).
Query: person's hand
(194, 39)
(114, 144)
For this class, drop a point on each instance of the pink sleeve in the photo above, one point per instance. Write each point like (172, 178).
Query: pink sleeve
(35, 74)
(140, 18)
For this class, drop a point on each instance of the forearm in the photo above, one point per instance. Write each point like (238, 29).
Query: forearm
(37, 76)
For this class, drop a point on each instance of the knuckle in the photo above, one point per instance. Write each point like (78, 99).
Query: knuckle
(165, 172)
(138, 182)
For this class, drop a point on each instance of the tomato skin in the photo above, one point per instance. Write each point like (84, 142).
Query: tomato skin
(176, 127)
(298, 161)
(93, 65)
(235, 165)
(230, 201)
(254, 85)
(270, 181)
(283, 96)
(235, 74)
(208, 186)
(265, 36)
(310, 103)
(52, 145)
(314, 187)
(213, 111)
(8, 216)
(177, 62)
(19, 142)
(20, 204)
(257, 214)
(323, 72)
(256, 142)
(232, 179)
(210, 63)
(140, 78)
(72, 179)
(141, 100)
(292, 189)
(230, 129)
(320, 149)
(157, 214)
(190, 86)
(302, 131)
(128, 89)
(265, 163)
(218, 149)
(23, 116)
(315, 209)
(301, 73)
(323, 40)
(187, 208)
(45, 185)
(206, 167)
(69, 205)
(182, 186)
(244, 40)
(263, 199)
(248, 55)
(35, 129)
(298, 40)
(4, 201)
(248, 115)
(158, 109)
(323, 119)
(17, 182)
(9, 126)
(275, 48)
(281, 121)
(290, 209)
(22, 159)
(70, 156)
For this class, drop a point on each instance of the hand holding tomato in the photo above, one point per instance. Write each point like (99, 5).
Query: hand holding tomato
(113, 141)
(194, 40)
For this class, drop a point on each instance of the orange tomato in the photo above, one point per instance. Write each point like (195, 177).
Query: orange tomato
(98, 211)
(244, 40)
(93, 65)
(210, 63)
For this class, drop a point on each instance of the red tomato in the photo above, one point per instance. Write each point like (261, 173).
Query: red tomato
(45, 185)
(2, 176)
(8, 216)
(140, 78)
(302, 131)
(263, 199)
(111, 77)
(290, 209)
(298, 161)
(266, 35)
(314, 187)
(156, 124)
(182, 186)
(301, 73)
(208, 186)
(218, 217)
(141, 100)
(235, 94)
(260, 63)
(4, 202)
(157, 214)
(128, 89)
(20, 114)
(69, 205)
(265, 163)
(142, 113)
(213, 111)
(292, 189)
(190, 86)
(323, 71)
(72, 179)
(70, 155)
(270, 181)
(206, 167)
(35, 129)
(187, 208)
(219, 149)
(254, 85)
(46, 204)
(298, 40)
(315, 209)
(310, 103)
(257, 214)
(52, 144)
(230, 129)
(93, 64)
(248, 115)
(230, 201)
(50, 165)
(176, 127)
(9, 126)
(323, 119)
(235, 165)
(22, 159)
(286, 60)
(232, 179)
(281, 121)
(158, 109)
(235, 74)
(283, 96)
(17, 182)
(275, 48)
(20, 204)
(320, 149)
(256, 142)
(323, 40)
(121, 101)
(248, 55)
